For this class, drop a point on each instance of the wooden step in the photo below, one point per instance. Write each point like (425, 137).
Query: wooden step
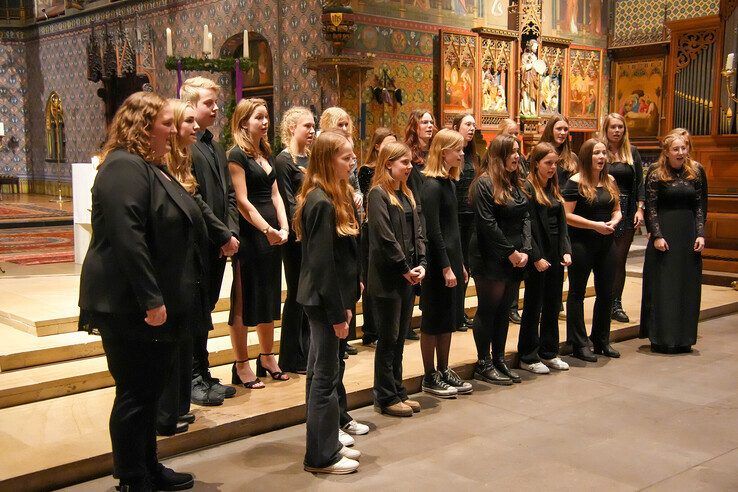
(63, 441)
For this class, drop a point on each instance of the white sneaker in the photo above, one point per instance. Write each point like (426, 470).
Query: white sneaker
(353, 454)
(356, 428)
(345, 439)
(556, 363)
(535, 368)
(343, 467)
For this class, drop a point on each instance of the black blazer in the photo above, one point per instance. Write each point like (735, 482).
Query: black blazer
(540, 240)
(214, 181)
(388, 256)
(329, 273)
(149, 242)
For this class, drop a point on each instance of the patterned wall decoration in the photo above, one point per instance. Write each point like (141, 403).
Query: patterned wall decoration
(13, 109)
(642, 21)
(584, 88)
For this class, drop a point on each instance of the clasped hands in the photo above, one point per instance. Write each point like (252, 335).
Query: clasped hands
(277, 237)
(518, 259)
(415, 275)
(230, 248)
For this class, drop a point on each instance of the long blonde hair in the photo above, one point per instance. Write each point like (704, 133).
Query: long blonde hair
(493, 165)
(444, 140)
(537, 154)
(330, 118)
(179, 158)
(382, 177)
(289, 122)
(661, 168)
(241, 136)
(625, 153)
(131, 127)
(321, 174)
(588, 187)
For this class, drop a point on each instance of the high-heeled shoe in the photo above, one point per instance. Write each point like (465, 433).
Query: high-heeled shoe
(262, 371)
(236, 379)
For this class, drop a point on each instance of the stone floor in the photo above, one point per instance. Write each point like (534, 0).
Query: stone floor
(644, 421)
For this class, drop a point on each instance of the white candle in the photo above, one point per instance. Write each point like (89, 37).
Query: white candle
(205, 38)
(95, 161)
(2, 129)
(210, 43)
(729, 62)
(170, 46)
(245, 43)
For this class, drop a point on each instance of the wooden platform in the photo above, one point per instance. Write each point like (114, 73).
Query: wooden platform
(64, 439)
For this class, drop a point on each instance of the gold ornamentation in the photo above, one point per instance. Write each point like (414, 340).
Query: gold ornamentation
(691, 44)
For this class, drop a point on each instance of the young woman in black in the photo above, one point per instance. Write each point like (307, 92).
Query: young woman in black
(396, 264)
(627, 169)
(257, 279)
(556, 132)
(442, 299)
(297, 131)
(498, 253)
(382, 136)
(592, 212)
(466, 126)
(672, 273)
(327, 225)
(551, 252)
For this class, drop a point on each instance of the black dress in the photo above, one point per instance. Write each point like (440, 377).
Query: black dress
(259, 262)
(672, 280)
(629, 179)
(442, 306)
(295, 336)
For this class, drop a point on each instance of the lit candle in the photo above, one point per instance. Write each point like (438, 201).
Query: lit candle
(729, 62)
(170, 46)
(2, 129)
(205, 38)
(210, 43)
(245, 43)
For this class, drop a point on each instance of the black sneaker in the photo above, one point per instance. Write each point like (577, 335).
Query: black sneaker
(435, 385)
(203, 393)
(351, 350)
(226, 391)
(453, 379)
(141, 485)
(485, 371)
(168, 479)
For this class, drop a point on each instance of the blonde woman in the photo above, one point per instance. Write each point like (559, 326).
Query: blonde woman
(442, 298)
(257, 279)
(298, 132)
(592, 204)
(627, 169)
(672, 273)
(326, 224)
(335, 118)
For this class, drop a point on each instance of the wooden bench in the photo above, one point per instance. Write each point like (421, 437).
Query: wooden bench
(12, 181)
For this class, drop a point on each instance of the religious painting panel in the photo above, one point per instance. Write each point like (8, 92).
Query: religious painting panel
(638, 94)
(496, 75)
(457, 13)
(585, 74)
(584, 21)
(459, 75)
(551, 91)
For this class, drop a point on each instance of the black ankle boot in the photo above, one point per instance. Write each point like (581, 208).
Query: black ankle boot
(485, 371)
(506, 371)
(167, 479)
(617, 313)
(607, 351)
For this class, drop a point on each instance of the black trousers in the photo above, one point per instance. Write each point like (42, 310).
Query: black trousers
(343, 415)
(590, 254)
(140, 368)
(393, 316)
(321, 392)
(175, 399)
(621, 247)
(541, 308)
(294, 340)
(466, 229)
(493, 316)
(200, 356)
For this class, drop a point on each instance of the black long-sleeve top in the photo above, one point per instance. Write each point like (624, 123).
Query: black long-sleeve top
(547, 222)
(465, 180)
(500, 230)
(442, 224)
(290, 175)
(677, 193)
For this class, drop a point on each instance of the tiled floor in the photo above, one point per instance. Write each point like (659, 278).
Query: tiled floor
(643, 421)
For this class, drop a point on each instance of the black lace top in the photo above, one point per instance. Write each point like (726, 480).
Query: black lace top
(678, 193)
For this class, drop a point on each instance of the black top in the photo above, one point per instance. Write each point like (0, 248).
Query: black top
(599, 210)
(624, 176)
(389, 253)
(547, 223)
(563, 174)
(329, 273)
(679, 193)
(149, 244)
(289, 179)
(442, 224)
(465, 180)
(366, 174)
(259, 183)
(407, 207)
(499, 229)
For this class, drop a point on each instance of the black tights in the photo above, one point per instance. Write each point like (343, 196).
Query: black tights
(431, 345)
(620, 248)
(493, 316)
